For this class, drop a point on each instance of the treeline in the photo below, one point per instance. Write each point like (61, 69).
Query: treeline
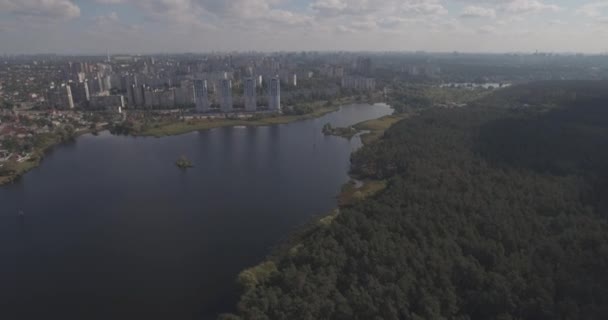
(405, 97)
(550, 94)
(489, 213)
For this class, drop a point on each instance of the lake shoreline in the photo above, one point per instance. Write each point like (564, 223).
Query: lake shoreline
(352, 191)
(369, 130)
(141, 198)
(175, 128)
(38, 156)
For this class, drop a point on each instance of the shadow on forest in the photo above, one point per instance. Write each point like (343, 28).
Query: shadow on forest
(564, 141)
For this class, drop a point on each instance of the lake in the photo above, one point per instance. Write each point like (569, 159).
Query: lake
(114, 230)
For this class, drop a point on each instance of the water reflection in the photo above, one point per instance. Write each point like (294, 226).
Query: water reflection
(113, 228)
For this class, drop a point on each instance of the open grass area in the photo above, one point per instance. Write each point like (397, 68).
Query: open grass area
(5, 179)
(376, 127)
(43, 143)
(328, 219)
(352, 193)
(181, 127)
(19, 168)
(320, 108)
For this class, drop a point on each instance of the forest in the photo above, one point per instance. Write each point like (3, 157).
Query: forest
(494, 211)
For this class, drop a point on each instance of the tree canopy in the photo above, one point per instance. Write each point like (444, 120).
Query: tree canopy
(489, 213)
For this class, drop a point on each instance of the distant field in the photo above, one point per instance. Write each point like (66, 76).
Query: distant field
(181, 127)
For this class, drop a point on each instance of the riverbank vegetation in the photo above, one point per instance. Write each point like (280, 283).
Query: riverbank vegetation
(488, 213)
(167, 126)
(184, 163)
(33, 153)
(347, 132)
(373, 129)
(359, 190)
(370, 130)
(407, 100)
(170, 128)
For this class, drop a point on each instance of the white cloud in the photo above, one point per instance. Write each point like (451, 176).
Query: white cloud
(556, 22)
(528, 6)
(348, 7)
(515, 6)
(593, 9)
(423, 7)
(478, 12)
(321, 24)
(211, 14)
(367, 7)
(109, 1)
(365, 16)
(487, 29)
(108, 19)
(46, 9)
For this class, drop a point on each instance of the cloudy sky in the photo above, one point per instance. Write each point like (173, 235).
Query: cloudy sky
(165, 26)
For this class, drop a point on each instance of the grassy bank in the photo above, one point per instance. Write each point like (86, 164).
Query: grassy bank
(352, 192)
(372, 129)
(178, 127)
(43, 144)
(376, 127)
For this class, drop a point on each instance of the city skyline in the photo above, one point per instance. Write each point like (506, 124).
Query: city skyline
(161, 26)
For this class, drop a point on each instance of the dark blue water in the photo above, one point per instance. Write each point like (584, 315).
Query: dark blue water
(114, 230)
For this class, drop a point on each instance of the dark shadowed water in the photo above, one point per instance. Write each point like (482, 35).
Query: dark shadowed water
(114, 230)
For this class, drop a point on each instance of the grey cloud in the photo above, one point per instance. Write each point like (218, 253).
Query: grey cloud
(516, 6)
(593, 9)
(478, 12)
(528, 6)
(326, 8)
(423, 7)
(47, 9)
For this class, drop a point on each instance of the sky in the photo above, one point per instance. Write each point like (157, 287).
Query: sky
(171, 26)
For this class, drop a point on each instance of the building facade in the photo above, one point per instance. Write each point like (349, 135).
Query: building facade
(250, 95)
(358, 83)
(274, 99)
(201, 97)
(226, 95)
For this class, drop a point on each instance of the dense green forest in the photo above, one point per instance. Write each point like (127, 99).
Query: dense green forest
(489, 213)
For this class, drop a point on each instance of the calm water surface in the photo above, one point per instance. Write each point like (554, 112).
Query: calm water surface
(113, 230)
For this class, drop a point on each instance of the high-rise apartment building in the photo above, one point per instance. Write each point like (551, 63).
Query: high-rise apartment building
(250, 95)
(226, 95)
(201, 95)
(274, 100)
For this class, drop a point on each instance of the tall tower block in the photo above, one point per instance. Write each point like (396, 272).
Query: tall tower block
(226, 95)
(201, 95)
(274, 100)
(69, 99)
(250, 96)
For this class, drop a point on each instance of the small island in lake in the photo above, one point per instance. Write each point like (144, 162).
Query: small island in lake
(347, 132)
(184, 163)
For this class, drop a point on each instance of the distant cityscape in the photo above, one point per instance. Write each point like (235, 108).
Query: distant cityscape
(45, 97)
(48, 97)
(211, 84)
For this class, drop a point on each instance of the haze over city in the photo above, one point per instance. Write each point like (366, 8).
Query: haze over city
(158, 26)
